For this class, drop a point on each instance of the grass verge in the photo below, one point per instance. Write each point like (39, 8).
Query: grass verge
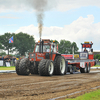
(7, 68)
(95, 95)
(96, 66)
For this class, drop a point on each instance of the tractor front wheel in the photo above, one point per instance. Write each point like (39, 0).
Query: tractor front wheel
(24, 66)
(60, 66)
(17, 67)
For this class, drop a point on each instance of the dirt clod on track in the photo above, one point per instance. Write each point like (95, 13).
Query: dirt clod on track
(35, 87)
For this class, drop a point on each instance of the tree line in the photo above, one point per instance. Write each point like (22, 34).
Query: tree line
(25, 43)
(97, 56)
(22, 43)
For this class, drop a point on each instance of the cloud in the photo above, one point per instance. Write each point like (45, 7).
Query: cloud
(12, 5)
(80, 30)
(60, 5)
(9, 17)
(22, 5)
(65, 5)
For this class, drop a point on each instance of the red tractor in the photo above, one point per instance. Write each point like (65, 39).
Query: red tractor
(44, 60)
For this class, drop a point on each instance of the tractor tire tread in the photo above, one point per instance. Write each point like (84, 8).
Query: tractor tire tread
(57, 66)
(43, 67)
(34, 69)
(17, 67)
(24, 66)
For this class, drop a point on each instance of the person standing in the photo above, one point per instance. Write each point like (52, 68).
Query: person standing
(85, 50)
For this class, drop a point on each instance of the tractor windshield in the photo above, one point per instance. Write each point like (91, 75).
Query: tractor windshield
(46, 48)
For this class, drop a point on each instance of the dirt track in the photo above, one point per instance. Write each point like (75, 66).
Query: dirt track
(34, 87)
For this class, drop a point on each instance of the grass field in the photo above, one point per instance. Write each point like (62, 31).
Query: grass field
(96, 66)
(95, 95)
(7, 68)
(13, 67)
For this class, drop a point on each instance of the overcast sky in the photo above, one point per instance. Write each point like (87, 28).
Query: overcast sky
(73, 20)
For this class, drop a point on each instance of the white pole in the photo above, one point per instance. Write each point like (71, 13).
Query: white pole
(73, 51)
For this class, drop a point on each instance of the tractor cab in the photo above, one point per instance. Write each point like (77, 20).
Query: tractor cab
(87, 51)
(45, 46)
(44, 49)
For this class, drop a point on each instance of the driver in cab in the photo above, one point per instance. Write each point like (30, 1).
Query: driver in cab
(85, 50)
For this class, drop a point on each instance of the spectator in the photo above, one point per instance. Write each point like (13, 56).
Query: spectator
(9, 60)
(0, 57)
(13, 59)
(85, 50)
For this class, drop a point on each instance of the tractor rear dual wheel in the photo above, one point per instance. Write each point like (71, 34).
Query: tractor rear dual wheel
(60, 66)
(46, 67)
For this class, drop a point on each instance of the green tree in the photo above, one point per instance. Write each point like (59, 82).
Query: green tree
(74, 46)
(55, 41)
(24, 43)
(3, 53)
(4, 41)
(97, 56)
(94, 56)
(1, 47)
(65, 47)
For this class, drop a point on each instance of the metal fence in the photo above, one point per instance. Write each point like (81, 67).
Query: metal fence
(4, 63)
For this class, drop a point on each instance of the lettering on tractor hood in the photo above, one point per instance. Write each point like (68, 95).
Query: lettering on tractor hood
(40, 56)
